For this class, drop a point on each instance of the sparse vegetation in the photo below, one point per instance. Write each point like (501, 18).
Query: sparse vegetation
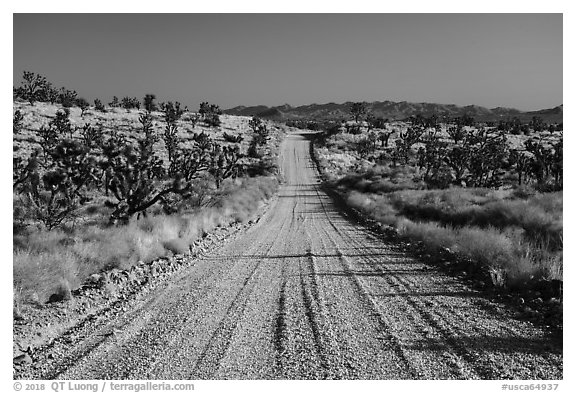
(210, 114)
(114, 103)
(83, 104)
(33, 87)
(17, 119)
(260, 137)
(44, 260)
(67, 98)
(130, 103)
(99, 106)
(358, 110)
(160, 189)
(458, 185)
(149, 104)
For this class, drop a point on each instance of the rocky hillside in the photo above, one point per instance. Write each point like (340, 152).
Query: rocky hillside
(394, 111)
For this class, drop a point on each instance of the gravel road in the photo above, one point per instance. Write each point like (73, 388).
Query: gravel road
(307, 294)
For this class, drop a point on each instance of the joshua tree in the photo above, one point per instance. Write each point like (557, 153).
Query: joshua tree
(149, 104)
(358, 110)
(99, 106)
(83, 105)
(33, 87)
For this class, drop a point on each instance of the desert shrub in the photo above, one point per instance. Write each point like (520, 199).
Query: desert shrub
(253, 149)
(358, 110)
(33, 87)
(51, 94)
(99, 106)
(149, 104)
(91, 137)
(133, 172)
(488, 152)
(83, 104)
(210, 113)
(546, 163)
(172, 113)
(130, 103)
(224, 163)
(366, 146)
(232, 138)
(17, 120)
(404, 144)
(67, 97)
(499, 248)
(55, 198)
(61, 123)
(193, 119)
(53, 184)
(260, 138)
(115, 103)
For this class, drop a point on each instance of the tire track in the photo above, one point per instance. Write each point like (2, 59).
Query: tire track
(219, 342)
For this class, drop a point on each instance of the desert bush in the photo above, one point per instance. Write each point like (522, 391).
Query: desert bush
(384, 137)
(33, 87)
(133, 172)
(99, 106)
(261, 132)
(358, 110)
(138, 178)
(149, 104)
(210, 113)
(17, 120)
(61, 123)
(232, 138)
(115, 103)
(58, 128)
(91, 137)
(55, 193)
(503, 248)
(253, 149)
(51, 94)
(193, 119)
(366, 146)
(130, 103)
(224, 163)
(172, 113)
(83, 104)
(67, 97)
(488, 153)
(546, 163)
(255, 123)
(404, 144)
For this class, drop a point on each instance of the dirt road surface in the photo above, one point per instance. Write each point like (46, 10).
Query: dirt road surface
(306, 293)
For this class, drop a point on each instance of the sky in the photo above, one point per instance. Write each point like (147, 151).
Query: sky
(491, 60)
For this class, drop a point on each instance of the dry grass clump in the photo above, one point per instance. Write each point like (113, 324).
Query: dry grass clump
(381, 179)
(510, 246)
(540, 217)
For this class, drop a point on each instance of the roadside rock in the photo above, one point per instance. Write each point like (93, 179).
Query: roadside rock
(22, 359)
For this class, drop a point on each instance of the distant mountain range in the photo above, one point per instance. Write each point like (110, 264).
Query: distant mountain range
(393, 111)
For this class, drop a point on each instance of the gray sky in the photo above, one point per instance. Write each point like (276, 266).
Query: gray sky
(510, 60)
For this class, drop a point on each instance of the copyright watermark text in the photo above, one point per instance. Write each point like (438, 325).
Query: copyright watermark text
(103, 386)
(530, 386)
